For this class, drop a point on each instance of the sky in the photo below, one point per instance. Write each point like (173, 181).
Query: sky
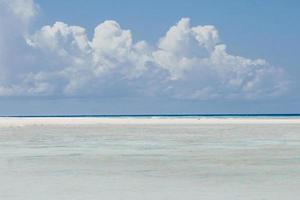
(149, 57)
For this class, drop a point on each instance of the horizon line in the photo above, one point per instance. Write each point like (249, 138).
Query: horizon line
(161, 115)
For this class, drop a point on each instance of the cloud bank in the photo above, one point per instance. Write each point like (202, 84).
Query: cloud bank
(188, 62)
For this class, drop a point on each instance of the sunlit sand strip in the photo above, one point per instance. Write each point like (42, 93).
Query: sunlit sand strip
(29, 121)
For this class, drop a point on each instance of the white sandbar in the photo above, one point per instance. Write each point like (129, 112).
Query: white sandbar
(29, 121)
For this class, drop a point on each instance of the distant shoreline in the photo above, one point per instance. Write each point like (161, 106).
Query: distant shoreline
(29, 121)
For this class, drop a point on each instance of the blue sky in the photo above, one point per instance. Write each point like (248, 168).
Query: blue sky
(138, 64)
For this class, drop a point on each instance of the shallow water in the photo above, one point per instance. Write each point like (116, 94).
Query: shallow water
(158, 161)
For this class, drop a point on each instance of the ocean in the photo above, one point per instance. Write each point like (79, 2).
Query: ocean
(112, 160)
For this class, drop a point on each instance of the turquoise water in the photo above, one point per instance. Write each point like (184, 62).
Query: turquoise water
(150, 161)
(277, 116)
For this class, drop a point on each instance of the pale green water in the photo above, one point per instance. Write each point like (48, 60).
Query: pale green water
(135, 162)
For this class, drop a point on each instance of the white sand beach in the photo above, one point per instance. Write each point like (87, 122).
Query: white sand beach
(25, 121)
(149, 158)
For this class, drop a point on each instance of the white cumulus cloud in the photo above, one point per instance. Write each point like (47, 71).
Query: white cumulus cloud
(188, 62)
(15, 18)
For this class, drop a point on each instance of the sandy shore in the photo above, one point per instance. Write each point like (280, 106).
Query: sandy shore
(149, 158)
(29, 121)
